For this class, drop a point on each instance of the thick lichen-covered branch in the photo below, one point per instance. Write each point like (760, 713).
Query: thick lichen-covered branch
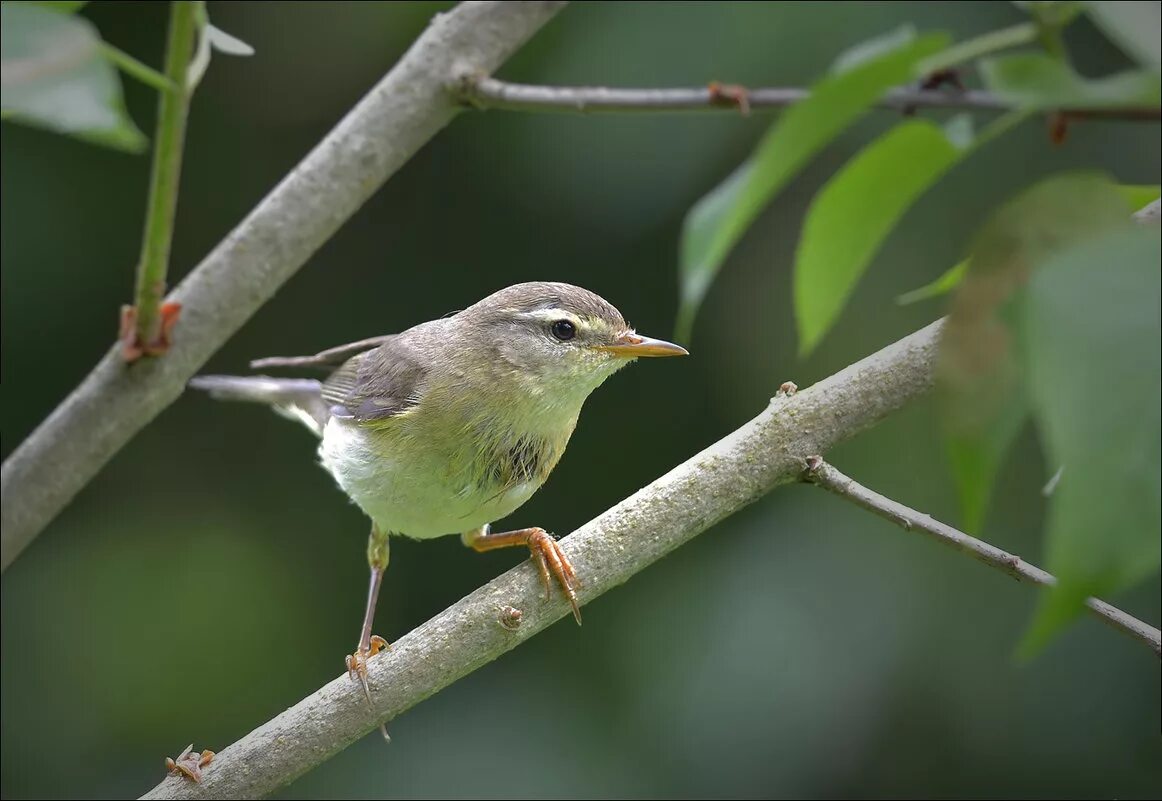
(377, 137)
(770, 450)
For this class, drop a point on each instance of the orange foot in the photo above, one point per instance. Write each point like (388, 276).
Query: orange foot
(551, 559)
(357, 669)
(189, 764)
(357, 662)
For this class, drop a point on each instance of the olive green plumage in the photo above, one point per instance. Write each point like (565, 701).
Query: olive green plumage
(455, 422)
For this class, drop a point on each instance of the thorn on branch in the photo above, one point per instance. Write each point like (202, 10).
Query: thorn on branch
(132, 348)
(189, 764)
(813, 465)
(730, 94)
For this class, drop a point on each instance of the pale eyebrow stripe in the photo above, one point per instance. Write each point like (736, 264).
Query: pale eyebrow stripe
(550, 315)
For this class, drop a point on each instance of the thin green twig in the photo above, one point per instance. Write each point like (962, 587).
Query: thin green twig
(167, 163)
(131, 66)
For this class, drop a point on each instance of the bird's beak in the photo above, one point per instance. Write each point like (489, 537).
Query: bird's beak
(631, 346)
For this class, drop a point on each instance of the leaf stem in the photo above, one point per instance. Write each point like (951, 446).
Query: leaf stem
(137, 69)
(173, 108)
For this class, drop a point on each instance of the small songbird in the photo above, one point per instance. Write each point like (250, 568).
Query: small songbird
(455, 423)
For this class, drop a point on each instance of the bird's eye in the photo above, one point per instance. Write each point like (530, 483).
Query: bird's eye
(564, 330)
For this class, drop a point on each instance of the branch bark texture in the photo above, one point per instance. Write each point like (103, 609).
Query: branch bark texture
(488, 93)
(768, 451)
(830, 479)
(401, 113)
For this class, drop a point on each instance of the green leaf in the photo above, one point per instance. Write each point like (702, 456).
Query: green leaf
(60, 6)
(1138, 196)
(1132, 26)
(1036, 81)
(853, 214)
(944, 284)
(976, 454)
(871, 49)
(1013, 36)
(1053, 13)
(860, 205)
(984, 401)
(1135, 196)
(55, 77)
(1090, 345)
(716, 223)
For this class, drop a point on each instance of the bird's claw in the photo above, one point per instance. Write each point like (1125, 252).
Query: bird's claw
(552, 563)
(357, 662)
(357, 669)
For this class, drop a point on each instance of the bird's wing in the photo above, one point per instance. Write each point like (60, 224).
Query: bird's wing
(326, 359)
(377, 384)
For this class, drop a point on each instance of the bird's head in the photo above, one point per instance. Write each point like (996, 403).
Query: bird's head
(559, 337)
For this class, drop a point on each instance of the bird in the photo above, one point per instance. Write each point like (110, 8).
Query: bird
(454, 423)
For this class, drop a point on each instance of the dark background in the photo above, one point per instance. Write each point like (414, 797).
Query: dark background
(212, 575)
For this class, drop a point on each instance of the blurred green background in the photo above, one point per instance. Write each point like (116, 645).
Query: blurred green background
(213, 575)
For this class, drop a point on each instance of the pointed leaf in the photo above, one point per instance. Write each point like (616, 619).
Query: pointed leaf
(55, 77)
(983, 397)
(942, 285)
(854, 213)
(1136, 197)
(1091, 338)
(716, 223)
(975, 456)
(871, 49)
(1132, 26)
(1039, 81)
(59, 6)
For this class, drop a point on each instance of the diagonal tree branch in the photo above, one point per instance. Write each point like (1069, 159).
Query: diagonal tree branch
(402, 112)
(824, 475)
(768, 451)
(771, 450)
(483, 92)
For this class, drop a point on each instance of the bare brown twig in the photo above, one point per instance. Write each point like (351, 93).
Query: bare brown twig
(485, 92)
(821, 473)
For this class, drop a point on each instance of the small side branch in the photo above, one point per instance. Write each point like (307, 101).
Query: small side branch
(824, 475)
(145, 332)
(484, 92)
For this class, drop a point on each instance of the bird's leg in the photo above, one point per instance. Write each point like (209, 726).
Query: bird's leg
(371, 644)
(546, 553)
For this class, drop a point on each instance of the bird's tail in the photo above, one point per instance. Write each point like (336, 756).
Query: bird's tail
(297, 398)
